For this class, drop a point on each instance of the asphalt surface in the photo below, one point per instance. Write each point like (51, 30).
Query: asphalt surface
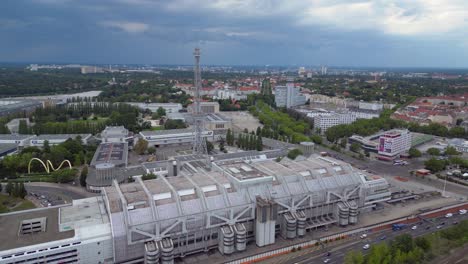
(338, 252)
(53, 195)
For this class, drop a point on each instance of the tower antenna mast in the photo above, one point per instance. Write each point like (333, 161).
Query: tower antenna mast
(199, 144)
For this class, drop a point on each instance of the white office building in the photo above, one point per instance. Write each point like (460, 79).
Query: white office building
(323, 122)
(393, 143)
(288, 96)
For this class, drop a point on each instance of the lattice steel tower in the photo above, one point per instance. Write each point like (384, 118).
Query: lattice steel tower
(199, 144)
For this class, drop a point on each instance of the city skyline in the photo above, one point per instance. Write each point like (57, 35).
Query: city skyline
(354, 34)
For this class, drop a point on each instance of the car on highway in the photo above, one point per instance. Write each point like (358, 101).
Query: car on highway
(414, 227)
(428, 227)
(439, 227)
(363, 236)
(448, 215)
(366, 247)
(462, 211)
(383, 237)
(326, 260)
(455, 223)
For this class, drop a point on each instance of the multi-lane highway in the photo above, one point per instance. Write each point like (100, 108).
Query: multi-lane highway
(337, 252)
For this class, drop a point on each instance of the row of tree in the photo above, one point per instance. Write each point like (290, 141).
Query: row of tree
(248, 141)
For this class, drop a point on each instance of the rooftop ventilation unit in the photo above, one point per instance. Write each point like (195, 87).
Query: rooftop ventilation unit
(32, 226)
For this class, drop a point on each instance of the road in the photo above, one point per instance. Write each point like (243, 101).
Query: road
(55, 194)
(389, 171)
(338, 252)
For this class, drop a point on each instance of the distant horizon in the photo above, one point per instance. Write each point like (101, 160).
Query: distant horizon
(25, 63)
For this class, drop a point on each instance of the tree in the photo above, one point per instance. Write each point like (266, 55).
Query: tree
(414, 153)
(433, 151)
(451, 151)
(209, 146)
(23, 127)
(151, 150)
(22, 191)
(83, 176)
(259, 145)
(292, 154)
(354, 257)
(46, 147)
(141, 146)
(343, 143)
(161, 112)
(317, 139)
(174, 124)
(355, 147)
(435, 165)
(221, 144)
(229, 137)
(65, 175)
(259, 131)
(423, 243)
(9, 188)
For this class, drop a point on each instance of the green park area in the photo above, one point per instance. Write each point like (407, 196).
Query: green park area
(11, 204)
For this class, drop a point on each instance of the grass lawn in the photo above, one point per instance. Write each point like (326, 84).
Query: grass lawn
(11, 204)
(155, 128)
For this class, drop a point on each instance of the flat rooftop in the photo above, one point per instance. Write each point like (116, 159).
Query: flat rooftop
(7, 147)
(10, 227)
(167, 132)
(61, 136)
(14, 136)
(215, 117)
(115, 153)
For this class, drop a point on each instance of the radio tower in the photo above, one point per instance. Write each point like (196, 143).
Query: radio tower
(199, 144)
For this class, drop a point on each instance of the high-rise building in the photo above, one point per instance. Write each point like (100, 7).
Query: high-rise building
(288, 96)
(323, 70)
(393, 143)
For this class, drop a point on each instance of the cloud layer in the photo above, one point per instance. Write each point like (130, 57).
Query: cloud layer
(430, 33)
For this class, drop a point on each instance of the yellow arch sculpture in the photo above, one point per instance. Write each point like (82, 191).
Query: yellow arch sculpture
(48, 165)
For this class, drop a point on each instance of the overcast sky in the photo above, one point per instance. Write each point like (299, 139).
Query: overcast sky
(398, 33)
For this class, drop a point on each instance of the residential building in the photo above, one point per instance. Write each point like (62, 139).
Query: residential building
(393, 143)
(323, 122)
